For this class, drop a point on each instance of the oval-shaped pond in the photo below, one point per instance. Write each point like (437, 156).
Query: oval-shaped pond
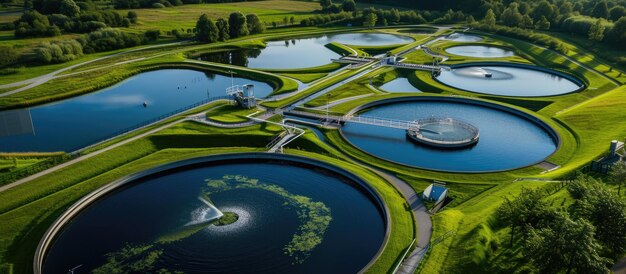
(80, 121)
(506, 141)
(290, 218)
(461, 37)
(301, 52)
(507, 81)
(480, 51)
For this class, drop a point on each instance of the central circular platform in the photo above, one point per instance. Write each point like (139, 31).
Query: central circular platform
(444, 132)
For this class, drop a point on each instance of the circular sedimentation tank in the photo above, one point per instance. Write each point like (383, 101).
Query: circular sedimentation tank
(480, 51)
(507, 79)
(282, 214)
(443, 132)
(508, 138)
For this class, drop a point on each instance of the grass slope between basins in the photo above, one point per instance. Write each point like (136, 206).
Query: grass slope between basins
(229, 114)
(596, 122)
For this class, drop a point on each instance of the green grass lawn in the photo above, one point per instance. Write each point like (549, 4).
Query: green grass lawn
(597, 122)
(353, 88)
(8, 164)
(305, 77)
(229, 114)
(185, 16)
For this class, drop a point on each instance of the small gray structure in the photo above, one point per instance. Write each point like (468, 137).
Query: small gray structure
(616, 154)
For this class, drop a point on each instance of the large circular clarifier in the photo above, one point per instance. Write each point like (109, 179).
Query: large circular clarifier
(508, 81)
(507, 140)
(292, 218)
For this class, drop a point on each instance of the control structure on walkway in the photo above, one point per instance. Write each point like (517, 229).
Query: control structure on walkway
(243, 95)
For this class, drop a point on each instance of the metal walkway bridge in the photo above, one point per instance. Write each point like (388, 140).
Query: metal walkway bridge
(390, 123)
(418, 66)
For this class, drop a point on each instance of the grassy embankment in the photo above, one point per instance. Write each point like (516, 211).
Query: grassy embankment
(312, 89)
(229, 114)
(359, 86)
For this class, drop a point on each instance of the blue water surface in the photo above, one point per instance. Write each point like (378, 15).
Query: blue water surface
(80, 121)
(506, 140)
(507, 81)
(301, 52)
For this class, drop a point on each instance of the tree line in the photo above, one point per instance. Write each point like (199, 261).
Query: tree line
(52, 17)
(237, 25)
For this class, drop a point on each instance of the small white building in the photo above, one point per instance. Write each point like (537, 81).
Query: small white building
(435, 193)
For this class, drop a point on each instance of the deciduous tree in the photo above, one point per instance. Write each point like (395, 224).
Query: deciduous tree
(565, 246)
(370, 20)
(206, 31)
(490, 18)
(238, 26)
(254, 24)
(596, 32)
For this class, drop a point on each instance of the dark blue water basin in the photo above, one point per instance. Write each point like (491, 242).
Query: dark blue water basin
(507, 141)
(480, 51)
(159, 207)
(74, 123)
(301, 52)
(508, 81)
(399, 84)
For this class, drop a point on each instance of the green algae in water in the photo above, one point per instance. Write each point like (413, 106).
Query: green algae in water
(228, 218)
(314, 219)
(314, 216)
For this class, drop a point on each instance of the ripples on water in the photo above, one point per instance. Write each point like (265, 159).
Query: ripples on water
(523, 82)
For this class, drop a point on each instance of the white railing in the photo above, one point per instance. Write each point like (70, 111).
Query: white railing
(234, 90)
(400, 124)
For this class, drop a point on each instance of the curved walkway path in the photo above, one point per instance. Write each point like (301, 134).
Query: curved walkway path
(39, 80)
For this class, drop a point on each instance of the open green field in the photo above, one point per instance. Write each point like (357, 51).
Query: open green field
(185, 16)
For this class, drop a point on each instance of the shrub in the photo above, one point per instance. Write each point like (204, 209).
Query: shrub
(110, 39)
(33, 23)
(58, 51)
(8, 55)
(152, 35)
